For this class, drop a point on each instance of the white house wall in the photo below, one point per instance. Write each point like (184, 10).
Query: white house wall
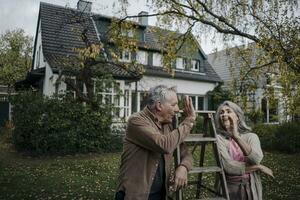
(49, 81)
(39, 61)
(183, 86)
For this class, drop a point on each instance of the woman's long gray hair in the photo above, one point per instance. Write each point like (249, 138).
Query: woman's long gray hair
(242, 127)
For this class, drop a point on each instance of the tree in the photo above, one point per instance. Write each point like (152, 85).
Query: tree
(93, 60)
(272, 26)
(218, 96)
(15, 57)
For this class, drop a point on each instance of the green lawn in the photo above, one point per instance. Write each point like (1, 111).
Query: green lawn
(93, 176)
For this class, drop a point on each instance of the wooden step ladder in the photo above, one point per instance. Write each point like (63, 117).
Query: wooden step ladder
(209, 135)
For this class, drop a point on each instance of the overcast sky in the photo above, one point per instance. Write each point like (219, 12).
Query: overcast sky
(24, 14)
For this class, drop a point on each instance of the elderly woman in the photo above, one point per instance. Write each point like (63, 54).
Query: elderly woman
(240, 152)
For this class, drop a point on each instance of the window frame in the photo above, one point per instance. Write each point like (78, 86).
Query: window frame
(195, 67)
(123, 56)
(179, 63)
(142, 59)
(157, 60)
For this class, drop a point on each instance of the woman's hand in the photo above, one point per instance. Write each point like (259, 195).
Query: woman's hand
(189, 108)
(266, 170)
(261, 168)
(233, 130)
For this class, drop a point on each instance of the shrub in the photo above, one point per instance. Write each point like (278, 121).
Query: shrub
(61, 125)
(266, 134)
(198, 128)
(284, 137)
(288, 136)
(255, 116)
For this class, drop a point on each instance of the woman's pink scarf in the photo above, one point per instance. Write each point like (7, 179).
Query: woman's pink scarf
(235, 151)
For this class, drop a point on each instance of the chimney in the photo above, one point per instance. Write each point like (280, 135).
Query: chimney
(143, 20)
(84, 6)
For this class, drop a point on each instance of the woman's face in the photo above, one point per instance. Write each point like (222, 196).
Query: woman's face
(227, 116)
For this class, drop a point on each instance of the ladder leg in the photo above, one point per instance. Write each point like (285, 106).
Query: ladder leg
(222, 178)
(177, 162)
(201, 162)
(202, 154)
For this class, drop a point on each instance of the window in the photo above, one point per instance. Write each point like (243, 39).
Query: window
(126, 104)
(125, 56)
(195, 65)
(69, 90)
(157, 59)
(194, 101)
(109, 95)
(76, 83)
(173, 64)
(134, 106)
(200, 103)
(142, 57)
(185, 63)
(179, 63)
(127, 33)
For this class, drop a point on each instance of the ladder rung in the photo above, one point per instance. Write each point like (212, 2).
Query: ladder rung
(204, 170)
(213, 198)
(199, 138)
(201, 111)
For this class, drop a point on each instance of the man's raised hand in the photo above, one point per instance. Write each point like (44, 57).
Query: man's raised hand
(189, 108)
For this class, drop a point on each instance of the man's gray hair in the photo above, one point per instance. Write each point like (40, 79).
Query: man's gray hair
(159, 93)
(242, 127)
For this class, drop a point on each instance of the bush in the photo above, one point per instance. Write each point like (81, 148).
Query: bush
(255, 116)
(288, 136)
(61, 125)
(284, 137)
(199, 126)
(266, 134)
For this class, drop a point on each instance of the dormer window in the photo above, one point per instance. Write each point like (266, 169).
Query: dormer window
(157, 60)
(185, 63)
(127, 33)
(179, 63)
(142, 57)
(195, 65)
(125, 56)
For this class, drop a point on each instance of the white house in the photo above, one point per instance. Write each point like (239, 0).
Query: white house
(227, 63)
(56, 36)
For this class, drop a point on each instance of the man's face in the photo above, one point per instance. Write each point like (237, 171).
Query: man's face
(169, 108)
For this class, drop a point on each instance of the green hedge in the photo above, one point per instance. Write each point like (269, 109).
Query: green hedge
(266, 134)
(288, 137)
(284, 137)
(61, 126)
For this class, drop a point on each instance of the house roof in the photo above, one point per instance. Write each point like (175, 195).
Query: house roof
(61, 60)
(61, 33)
(227, 63)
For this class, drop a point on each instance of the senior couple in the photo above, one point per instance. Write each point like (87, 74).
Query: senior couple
(151, 140)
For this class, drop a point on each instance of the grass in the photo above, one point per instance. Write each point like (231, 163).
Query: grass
(93, 176)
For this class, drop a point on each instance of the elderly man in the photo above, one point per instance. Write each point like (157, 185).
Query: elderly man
(149, 145)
